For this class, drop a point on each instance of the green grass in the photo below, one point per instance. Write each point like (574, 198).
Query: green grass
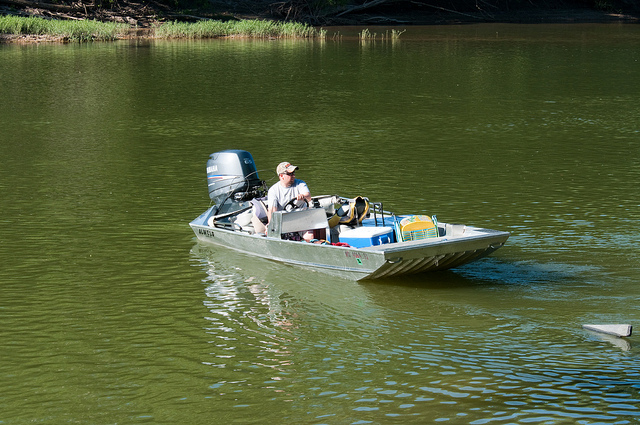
(68, 30)
(246, 28)
(366, 35)
(85, 30)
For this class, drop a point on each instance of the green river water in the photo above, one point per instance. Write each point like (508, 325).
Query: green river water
(111, 312)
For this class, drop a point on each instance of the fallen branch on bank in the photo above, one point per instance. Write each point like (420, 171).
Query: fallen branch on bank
(45, 6)
(360, 7)
(383, 19)
(375, 3)
(455, 12)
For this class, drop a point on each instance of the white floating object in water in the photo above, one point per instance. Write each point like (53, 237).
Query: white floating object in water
(617, 330)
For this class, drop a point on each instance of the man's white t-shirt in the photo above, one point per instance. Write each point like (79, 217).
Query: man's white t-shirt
(279, 196)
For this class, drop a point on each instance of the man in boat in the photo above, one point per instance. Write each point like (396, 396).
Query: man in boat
(288, 190)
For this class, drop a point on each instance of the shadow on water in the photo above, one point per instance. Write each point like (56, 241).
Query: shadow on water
(487, 272)
(484, 291)
(523, 272)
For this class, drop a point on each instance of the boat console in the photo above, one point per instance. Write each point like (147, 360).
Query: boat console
(314, 219)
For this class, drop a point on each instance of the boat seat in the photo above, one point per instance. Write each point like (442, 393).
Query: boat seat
(418, 227)
(297, 221)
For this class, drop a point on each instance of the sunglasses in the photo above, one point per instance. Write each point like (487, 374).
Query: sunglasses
(290, 174)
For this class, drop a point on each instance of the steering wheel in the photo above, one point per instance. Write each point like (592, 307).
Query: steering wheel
(294, 205)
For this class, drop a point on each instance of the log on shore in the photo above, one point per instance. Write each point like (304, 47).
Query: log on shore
(46, 6)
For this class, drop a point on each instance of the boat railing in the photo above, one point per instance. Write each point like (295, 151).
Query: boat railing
(380, 216)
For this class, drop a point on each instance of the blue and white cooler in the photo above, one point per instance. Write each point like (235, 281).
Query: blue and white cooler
(361, 237)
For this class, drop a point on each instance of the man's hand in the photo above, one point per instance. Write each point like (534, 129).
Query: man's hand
(305, 196)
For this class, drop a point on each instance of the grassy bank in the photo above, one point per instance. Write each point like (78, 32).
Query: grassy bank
(80, 30)
(246, 28)
(90, 30)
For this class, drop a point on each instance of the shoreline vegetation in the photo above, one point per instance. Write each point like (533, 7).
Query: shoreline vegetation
(35, 28)
(40, 29)
(28, 21)
(91, 30)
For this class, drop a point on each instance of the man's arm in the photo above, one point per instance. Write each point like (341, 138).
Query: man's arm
(270, 211)
(305, 193)
(306, 196)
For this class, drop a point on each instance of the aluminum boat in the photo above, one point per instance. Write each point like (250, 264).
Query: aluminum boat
(352, 237)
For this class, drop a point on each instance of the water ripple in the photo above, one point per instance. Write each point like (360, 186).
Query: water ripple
(381, 361)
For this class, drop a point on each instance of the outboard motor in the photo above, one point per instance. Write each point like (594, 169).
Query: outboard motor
(232, 174)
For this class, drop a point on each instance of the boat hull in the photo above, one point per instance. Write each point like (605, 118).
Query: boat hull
(380, 261)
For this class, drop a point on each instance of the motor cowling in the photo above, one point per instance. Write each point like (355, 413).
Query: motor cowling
(232, 174)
